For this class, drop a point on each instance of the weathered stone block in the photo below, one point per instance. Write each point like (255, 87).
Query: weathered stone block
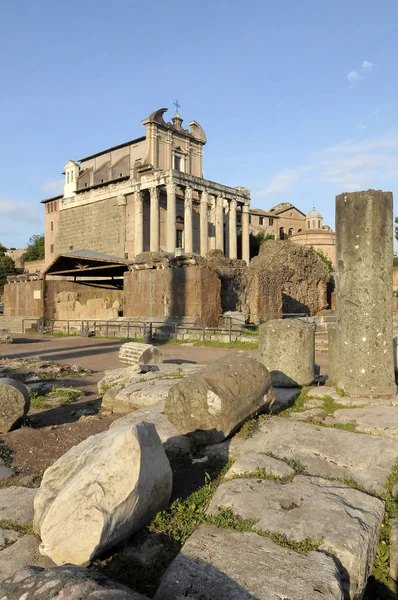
(5, 336)
(287, 349)
(100, 492)
(132, 353)
(215, 401)
(14, 403)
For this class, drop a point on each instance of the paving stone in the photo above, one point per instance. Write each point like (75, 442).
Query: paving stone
(248, 464)
(323, 451)
(219, 564)
(347, 520)
(16, 503)
(376, 420)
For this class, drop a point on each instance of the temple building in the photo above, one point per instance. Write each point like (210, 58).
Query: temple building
(147, 194)
(317, 235)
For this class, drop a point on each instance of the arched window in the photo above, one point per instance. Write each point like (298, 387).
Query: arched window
(281, 233)
(308, 223)
(291, 231)
(313, 224)
(299, 231)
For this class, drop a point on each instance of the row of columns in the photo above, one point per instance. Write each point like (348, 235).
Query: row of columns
(171, 217)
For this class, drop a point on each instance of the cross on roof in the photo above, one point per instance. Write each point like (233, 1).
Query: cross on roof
(177, 105)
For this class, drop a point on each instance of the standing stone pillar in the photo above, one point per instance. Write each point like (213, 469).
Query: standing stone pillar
(154, 220)
(245, 234)
(220, 223)
(287, 349)
(232, 230)
(171, 217)
(212, 224)
(364, 249)
(188, 220)
(138, 223)
(332, 355)
(204, 226)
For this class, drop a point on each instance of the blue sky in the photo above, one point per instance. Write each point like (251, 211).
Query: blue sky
(297, 98)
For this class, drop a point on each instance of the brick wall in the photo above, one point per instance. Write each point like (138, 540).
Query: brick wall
(161, 293)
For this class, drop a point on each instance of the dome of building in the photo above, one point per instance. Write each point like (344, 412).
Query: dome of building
(314, 214)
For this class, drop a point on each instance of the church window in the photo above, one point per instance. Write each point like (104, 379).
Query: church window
(52, 207)
(250, 219)
(71, 176)
(270, 221)
(319, 224)
(52, 226)
(313, 225)
(178, 238)
(309, 224)
(52, 249)
(177, 163)
(261, 220)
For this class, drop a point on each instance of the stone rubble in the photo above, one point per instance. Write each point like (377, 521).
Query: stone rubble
(5, 336)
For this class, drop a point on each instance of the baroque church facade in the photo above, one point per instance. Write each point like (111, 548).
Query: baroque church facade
(147, 194)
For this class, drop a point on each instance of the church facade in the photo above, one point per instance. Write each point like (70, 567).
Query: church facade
(147, 194)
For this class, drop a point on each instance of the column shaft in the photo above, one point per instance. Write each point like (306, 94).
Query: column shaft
(171, 217)
(138, 223)
(204, 225)
(188, 220)
(364, 226)
(154, 224)
(219, 223)
(245, 233)
(232, 230)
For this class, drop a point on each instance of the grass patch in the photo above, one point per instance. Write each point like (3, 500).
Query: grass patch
(40, 399)
(298, 404)
(6, 453)
(297, 467)
(352, 427)
(20, 527)
(236, 345)
(340, 392)
(250, 427)
(303, 546)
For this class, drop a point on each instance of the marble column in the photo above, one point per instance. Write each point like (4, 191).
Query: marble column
(154, 220)
(212, 224)
(204, 225)
(219, 223)
(171, 217)
(245, 233)
(188, 220)
(138, 223)
(232, 230)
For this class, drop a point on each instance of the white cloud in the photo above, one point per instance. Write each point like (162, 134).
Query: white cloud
(348, 166)
(282, 182)
(21, 212)
(367, 66)
(353, 77)
(53, 187)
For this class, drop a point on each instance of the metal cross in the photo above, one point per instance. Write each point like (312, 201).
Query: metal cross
(177, 105)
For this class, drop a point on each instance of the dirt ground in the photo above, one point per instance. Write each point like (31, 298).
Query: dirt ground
(49, 433)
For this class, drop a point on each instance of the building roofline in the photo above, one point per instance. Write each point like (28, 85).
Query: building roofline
(51, 199)
(140, 139)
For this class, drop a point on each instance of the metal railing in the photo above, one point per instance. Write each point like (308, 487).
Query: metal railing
(229, 328)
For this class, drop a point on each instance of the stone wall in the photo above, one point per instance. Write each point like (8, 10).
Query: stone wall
(103, 231)
(190, 291)
(69, 300)
(232, 274)
(62, 300)
(23, 299)
(294, 272)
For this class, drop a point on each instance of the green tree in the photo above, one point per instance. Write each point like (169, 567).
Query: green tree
(256, 239)
(396, 228)
(7, 266)
(325, 259)
(35, 249)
